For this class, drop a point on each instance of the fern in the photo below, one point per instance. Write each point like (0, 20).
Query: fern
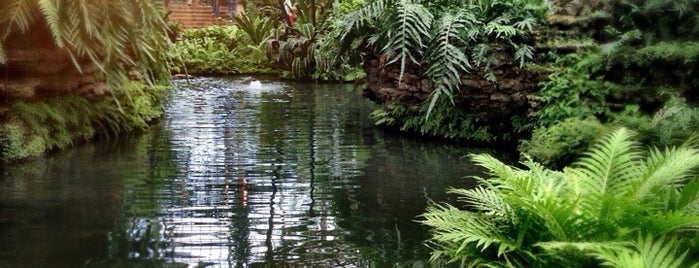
(448, 61)
(115, 36)
(591, 208)
(408, 31)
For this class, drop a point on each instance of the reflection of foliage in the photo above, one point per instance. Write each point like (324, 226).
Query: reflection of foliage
(37, 127)
(218, 50)
(610, 206)
(136, 236)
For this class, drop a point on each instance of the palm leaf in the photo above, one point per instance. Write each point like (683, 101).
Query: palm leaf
(19, 13)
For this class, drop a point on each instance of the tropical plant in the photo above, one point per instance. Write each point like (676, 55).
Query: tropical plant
(558, 145)
(218, 50)
(448, 42)
(612, 207)
(258, 28)
(117, 36)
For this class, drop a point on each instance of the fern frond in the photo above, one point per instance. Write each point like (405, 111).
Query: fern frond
(446, 59)
(408, 30)
(665, 169)
(610, 164)
(370, 12)
(452, 226)
(523, 53)
(494, 166)
(484, 200)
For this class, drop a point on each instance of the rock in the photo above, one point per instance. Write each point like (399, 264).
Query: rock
(470, 83)
(500, 97)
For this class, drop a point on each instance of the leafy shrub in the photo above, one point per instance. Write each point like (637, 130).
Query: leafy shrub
(218, 50)
(559, 144)
(257, 27)
(572, 90)
(669, 126)
(615, 206)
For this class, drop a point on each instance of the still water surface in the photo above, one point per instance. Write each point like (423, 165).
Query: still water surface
(282, 175)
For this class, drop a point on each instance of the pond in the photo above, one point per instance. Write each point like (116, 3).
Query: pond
(237, 174)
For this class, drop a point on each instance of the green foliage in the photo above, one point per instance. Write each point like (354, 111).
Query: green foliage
(670, 125)
(572, 90)
(445, 122)
(351, 5)
(404, 33)
(559, 144)
(117, 36)
(257, 27)
(308, 48)
(36, 127)
(656, 20)
(449, 42)
(295, 54)
(218, 50)
(664, 64)
(536, 217)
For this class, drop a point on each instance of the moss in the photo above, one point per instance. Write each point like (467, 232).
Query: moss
(35, 127)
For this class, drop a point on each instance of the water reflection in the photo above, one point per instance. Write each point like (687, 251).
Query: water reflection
(279, 175)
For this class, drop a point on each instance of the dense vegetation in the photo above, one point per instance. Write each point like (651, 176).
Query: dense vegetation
(261, 41)
(59, 122)
(121, 39)
(118, 36)
(619, 67)
(614, 207)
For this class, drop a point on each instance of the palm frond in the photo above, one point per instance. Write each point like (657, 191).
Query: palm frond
(19, 13)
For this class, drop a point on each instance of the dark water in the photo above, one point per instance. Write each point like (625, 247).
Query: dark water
(286, 175)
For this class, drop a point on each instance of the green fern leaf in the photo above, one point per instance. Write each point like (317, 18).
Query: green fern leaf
(611, 163)
(408, 30)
